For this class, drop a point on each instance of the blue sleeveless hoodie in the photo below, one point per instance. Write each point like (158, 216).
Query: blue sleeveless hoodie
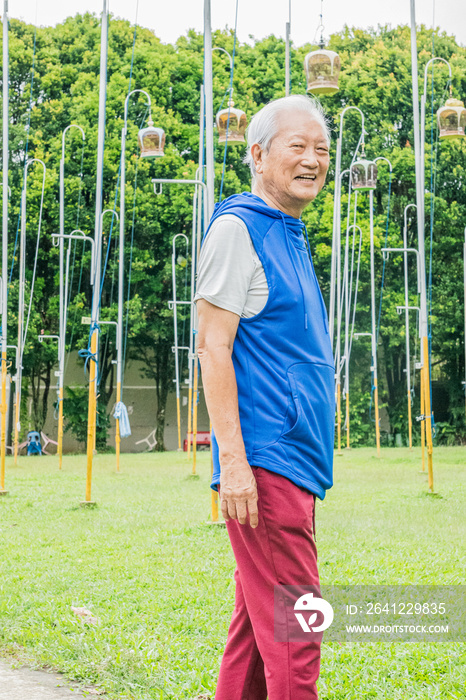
(282, 357)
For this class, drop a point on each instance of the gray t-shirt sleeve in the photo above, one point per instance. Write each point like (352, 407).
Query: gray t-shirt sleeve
(226, 265)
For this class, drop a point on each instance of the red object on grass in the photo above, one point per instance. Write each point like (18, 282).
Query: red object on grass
(202, 440)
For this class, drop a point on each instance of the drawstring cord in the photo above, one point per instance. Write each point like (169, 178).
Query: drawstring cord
(294, 266)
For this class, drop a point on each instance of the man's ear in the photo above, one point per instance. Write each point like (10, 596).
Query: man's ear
(256, 152)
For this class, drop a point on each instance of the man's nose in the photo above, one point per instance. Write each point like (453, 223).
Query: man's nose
(310, 158)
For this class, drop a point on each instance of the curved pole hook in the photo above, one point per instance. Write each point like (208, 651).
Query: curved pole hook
(70, 126)
(174, 242)
(436, 58)
(127, 100)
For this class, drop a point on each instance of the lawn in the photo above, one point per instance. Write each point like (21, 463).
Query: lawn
(159, 578)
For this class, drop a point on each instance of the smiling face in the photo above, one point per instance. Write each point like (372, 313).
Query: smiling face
(292, 172)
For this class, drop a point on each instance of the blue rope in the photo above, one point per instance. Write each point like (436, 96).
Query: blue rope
(230, 90)
(381, 293)
(134, 206)
(384, 261)
(86, 353)
(25, 155)
(110, 235)
(130, 269)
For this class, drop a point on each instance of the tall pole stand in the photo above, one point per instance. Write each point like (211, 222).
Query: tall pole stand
(374, 327)
(6, 123)
(92, 408)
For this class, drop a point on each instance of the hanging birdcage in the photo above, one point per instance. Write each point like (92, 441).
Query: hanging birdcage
(452, 119)
(231, 124)
(322, 69)
(151, 140)
(364, 175)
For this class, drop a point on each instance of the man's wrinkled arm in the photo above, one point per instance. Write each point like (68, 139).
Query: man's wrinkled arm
(217, 331)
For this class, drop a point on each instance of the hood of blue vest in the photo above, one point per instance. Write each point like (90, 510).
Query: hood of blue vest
(247, 200)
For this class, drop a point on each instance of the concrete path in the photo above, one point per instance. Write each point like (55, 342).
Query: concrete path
(25, 684)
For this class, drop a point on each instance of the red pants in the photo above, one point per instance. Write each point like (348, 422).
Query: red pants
(281, 550)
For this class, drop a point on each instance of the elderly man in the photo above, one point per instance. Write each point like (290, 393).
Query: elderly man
(268, 376)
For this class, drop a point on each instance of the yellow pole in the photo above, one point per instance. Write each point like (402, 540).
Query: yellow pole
(91, 417)
(339, 416)
(214, 506)
(190, 403)
(178, 418)
(117, 429)
(347, 421)
(17, 410)
(60, 428)
(19, 372)
(214, 494)
(196, 379)
(410, 422)
(3, 425)
(423, 428)
(428, 415)
(377, 426)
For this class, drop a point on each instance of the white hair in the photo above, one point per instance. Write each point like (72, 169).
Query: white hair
(263, 126)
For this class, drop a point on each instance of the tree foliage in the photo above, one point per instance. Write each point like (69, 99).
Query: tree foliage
(64, 90)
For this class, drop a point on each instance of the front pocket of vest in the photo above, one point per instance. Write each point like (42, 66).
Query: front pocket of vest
(312, 389)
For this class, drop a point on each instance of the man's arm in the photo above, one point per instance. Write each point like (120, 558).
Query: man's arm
(217, 331)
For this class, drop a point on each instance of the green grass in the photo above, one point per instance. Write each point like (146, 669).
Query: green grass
(159, 578)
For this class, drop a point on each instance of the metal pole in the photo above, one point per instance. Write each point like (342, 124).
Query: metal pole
(197, 207)
(62, 321)
(91, 425)
(374, 327)
(201, 187)
(61, 325)
(408, 360)
(209, 109)
(423, 322)
(287, 53)
(22, 274)
(464, 273)
(287, 59)
(340, 297)
(346, 293)
(348, 296)
(6, 123)
(191, 320)
(121, 274)
(426, 409)
(121, 267)
(336, 217)
(21, 291)
(335, 243)
(338, 304)
(175, 331)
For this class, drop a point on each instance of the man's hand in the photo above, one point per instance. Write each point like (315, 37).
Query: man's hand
(238, 493)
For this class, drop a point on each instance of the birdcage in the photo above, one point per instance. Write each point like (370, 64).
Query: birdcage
(231, 124)
(151, 140)
(322, 69)
(452, 119)
(364, 175)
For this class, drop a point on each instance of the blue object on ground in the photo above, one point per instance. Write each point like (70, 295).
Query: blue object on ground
(34, 445)
(121, 414)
